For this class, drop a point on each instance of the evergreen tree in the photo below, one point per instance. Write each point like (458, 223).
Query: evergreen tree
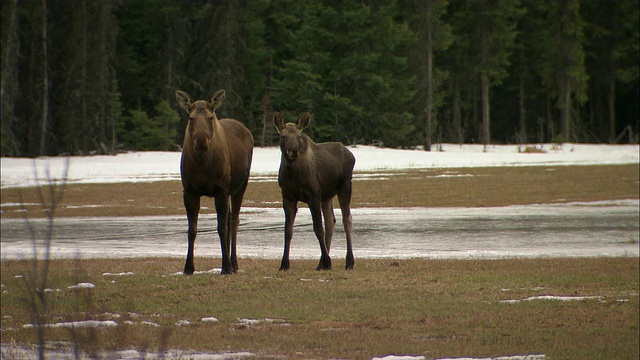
(30, 78)
(348, 67)
(395, 73)
(562, 68)
(611, 60)
(142, 132)
(491, 31)
(9, 143)
(434, 35)
(257, 68)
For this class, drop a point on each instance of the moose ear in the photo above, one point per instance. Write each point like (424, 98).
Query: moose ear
(184, 100)
(278, 121)
(303, 121)
(216, 99)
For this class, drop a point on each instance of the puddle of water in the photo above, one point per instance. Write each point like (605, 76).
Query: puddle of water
(573, 230)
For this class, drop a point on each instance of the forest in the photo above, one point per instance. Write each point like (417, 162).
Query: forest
(99, 77)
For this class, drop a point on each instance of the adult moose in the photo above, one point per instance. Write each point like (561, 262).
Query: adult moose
(314, 174)
(216, 161)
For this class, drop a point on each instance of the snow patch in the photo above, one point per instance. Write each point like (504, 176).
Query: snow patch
(508, 357)
(118, 274)
(203, 272)
(82, 286)
(78, 324)
(553, 297)
(68, 353)
(248, 322)
(160, 166)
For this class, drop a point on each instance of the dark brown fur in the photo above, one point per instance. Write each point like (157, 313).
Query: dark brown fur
(216, 161)
(314, 174)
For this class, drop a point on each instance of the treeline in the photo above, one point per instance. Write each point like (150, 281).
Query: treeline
(93, 76)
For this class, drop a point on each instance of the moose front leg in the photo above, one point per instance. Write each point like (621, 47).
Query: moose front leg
(222, 211)
(316, 215)
(192, 206)
(290, 209)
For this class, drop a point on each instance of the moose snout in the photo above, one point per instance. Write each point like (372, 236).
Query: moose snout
(201, 142)
(293, 154)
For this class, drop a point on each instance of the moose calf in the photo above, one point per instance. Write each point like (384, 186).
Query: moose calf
(314, 174)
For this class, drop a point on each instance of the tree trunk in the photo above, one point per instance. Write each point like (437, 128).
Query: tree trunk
(83, 96)
(550, 131)
(457, 121)
(264, 106)
(428, 109)
(486, 130)
(429, 105)
(45, 84)
(474, 116)
(566, 106)
(104, 86)
(523, 113)
(612, 107)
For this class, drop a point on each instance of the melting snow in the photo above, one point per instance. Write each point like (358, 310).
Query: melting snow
(158, 166)
(508, 357)
(553, 297)
(82, 286)
(78, 324)
(248, 322)
(203, 272)
(127, 354)
(118, 274)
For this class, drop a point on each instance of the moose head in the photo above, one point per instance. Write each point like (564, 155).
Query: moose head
(202, 120)
(292, 142)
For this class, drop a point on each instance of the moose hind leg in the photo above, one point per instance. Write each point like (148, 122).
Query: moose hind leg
(192, 206)
(290, 210)
(329, 222)
(234, 223)
(345, 207)
(316, 214)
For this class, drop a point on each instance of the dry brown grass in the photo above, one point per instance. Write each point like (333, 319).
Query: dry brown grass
(435, 308)
(470, 187)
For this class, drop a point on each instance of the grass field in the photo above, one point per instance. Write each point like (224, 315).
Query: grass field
(470, 187)
(434, 308)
